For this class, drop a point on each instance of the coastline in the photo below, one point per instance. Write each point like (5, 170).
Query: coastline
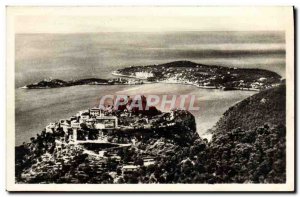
(104, 84)
(77, 98)
(178, 82)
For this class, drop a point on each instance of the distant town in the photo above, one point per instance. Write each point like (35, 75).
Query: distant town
(204, 76)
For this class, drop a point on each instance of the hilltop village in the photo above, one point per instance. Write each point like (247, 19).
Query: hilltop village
(132, 145)
(204, 76)
(105, 138)
(248, 146)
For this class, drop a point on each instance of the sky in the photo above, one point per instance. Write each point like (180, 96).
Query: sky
(149, 19)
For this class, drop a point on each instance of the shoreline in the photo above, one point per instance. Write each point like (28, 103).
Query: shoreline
(123, 86)
(144, 81)
(181, 83)
(41, 88)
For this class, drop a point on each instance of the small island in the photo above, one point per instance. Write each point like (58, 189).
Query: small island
(58, 83)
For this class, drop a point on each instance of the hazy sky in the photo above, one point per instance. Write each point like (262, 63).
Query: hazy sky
(151, 19)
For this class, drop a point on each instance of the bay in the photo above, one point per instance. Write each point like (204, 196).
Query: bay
(35, 108)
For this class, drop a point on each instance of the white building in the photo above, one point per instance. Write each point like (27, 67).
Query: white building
(102, 153)
(143, 75)
(82, 112)
(106, 122)
(75, 126)
(65, 127)
(94, 112)
(262, 79)
(148, 161)
(50, 127)
(127, 169)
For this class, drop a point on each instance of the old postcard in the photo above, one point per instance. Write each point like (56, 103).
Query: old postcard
(169, 98)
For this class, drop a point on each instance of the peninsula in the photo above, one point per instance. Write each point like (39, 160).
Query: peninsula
(203, 76)
(181, 72)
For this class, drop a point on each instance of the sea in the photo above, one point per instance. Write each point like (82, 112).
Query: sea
(76, 56)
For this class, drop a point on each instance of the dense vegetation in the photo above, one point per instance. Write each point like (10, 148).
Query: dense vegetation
(267, 106)
(248, 146)
(254, 156)
(201, 75)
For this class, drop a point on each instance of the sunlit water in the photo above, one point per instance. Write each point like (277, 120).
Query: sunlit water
(36, 108)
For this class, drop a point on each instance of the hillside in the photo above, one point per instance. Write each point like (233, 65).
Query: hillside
(266, 107)
(248, 146)
(52, 158)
